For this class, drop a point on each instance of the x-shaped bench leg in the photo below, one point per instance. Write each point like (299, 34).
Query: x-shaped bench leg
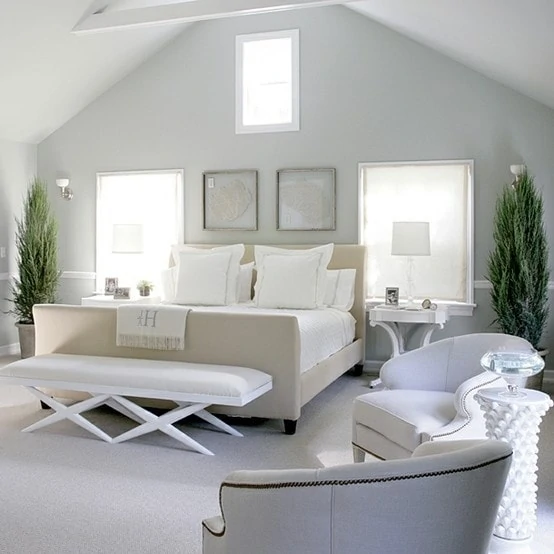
(71, 412)
(163, 423)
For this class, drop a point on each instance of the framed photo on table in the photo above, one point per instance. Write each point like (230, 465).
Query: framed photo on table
(392, 295)
(110, 284)
(231, 200)
(122, 293)
(306, 199)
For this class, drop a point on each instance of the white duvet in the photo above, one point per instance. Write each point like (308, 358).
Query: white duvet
(322, 332)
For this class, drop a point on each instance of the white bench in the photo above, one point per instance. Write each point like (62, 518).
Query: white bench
(110, 381)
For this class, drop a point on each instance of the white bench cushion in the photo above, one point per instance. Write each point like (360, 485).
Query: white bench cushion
(141, 374)
(403, 416)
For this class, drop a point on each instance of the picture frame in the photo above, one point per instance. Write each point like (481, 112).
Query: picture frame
(306, 199)
(392, 296)
(122, 293)
(230, 200)
(110, 284)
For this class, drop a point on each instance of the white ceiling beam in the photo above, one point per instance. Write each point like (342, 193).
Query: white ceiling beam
(188, 12)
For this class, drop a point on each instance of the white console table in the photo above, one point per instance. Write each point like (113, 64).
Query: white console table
(397, 321)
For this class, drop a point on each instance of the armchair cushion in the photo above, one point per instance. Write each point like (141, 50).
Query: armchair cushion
(404, 415)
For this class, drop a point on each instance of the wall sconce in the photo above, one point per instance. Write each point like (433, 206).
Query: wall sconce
(517, 170)
(65, 192)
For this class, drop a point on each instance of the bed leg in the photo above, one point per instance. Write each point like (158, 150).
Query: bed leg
(290, 426)
(357, 370)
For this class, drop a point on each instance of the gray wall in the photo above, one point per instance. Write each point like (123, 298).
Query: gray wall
(18, 165)
(367, 94)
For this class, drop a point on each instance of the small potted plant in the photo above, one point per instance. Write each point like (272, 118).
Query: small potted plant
(144, 287)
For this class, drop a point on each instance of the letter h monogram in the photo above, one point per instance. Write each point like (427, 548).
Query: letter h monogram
(147, 318)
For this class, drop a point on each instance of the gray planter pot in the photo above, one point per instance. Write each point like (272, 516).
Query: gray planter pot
(26, 339)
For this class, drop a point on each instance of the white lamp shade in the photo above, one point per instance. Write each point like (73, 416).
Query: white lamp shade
(410, 238)
(127, 239)
(62, 183)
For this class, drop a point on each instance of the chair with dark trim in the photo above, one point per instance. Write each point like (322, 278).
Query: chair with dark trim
(428, 395)
(443, 499)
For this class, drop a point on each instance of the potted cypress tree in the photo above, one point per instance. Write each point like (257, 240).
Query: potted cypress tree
(36, 241)
(518, 265)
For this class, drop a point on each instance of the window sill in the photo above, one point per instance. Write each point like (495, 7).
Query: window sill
(454, 308)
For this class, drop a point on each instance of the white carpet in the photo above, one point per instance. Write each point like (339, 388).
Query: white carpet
(64, 491)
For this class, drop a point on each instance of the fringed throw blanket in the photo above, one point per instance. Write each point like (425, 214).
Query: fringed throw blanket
(158, 327)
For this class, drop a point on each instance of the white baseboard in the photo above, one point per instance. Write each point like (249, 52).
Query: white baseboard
(10, 349)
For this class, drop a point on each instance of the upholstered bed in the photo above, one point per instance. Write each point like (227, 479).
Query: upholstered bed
(268, 340)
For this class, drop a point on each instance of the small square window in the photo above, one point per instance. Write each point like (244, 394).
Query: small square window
(267, 82)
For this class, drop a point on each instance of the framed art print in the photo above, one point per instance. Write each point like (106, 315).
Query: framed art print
(392, 296)
(231, 200)
(306, 199)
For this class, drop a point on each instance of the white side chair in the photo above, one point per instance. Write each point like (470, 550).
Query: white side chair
(443, 499)
(428, 395)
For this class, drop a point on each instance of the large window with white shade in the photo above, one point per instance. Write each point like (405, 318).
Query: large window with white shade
(139, 215)
(267, 82)
(416, 218)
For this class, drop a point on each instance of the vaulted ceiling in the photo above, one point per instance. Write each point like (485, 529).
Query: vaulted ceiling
(54, 61)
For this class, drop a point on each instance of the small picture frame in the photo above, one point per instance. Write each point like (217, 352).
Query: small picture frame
(231, 200)
(110, 284)
(392, 295)
(122, 293)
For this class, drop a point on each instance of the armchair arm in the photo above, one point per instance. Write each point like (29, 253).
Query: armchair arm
(469, 422)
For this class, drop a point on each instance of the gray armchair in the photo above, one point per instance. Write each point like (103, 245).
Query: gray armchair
(428, 396)
(443, 499)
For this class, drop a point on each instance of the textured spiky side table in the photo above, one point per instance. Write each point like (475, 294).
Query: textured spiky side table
(516, 420)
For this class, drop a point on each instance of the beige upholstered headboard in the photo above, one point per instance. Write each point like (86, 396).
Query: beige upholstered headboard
(344, 256)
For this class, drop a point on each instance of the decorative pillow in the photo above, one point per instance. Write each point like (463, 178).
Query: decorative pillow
(202, 279)
(323, 252)
(339, 292)
(245, 282)
(289, 282)
(169, 276)
(235, 250)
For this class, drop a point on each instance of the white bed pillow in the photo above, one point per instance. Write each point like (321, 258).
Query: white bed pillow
(236, 252)
(245, 282)
(289, 282)
(323, 252)
(169, 276)
(203, 279)
(340, 288)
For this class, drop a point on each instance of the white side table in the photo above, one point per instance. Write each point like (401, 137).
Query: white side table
(106, 301)
(396, 322)
(516, 421)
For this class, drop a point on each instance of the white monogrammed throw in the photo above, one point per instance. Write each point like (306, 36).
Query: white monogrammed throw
(158, 327)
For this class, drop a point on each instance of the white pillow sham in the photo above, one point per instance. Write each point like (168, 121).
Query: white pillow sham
(169, 277)
(324, 254)
(340, 288)
(289, 282)
(203, 279)
(245, 282)
(236, 252)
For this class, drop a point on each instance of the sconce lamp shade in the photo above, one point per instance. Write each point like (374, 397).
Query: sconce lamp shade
(127, 239)
(410, 238)
(62, 183)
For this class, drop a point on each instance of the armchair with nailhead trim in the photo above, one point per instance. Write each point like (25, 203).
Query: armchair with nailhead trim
(428, 395)
(443, 499)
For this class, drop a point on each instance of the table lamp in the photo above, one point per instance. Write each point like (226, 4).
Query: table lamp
(410, 238)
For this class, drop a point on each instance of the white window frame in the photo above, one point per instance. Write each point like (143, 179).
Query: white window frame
(454, 308)
(294, 125)
(180, 208)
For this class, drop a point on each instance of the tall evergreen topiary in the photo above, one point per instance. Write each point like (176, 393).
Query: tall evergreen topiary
(518, 265)
(36, 241)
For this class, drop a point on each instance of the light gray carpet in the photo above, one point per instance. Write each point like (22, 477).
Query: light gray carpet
(64, 491)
